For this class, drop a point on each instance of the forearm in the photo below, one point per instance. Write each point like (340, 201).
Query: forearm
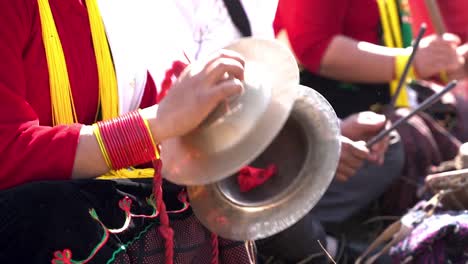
(349, 60)
(89, 159)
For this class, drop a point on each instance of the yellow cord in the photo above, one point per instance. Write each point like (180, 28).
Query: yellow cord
(130, 173)
(107, 78)
(393, 39)
(63, 107)
(400, 63)
(97, 134)
(387, 33)
(395, 22)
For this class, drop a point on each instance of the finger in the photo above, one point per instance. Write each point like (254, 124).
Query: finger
(368, 117)
(341, 177)
(378, 151)
(451, 38)
(380, 146)
(351, 161)
(360, 150)
(217, 71)
(463, 50)
(345, 171)
(451, 56)
(224, 90)
(381, 160)
(445, 63)
(227, 54)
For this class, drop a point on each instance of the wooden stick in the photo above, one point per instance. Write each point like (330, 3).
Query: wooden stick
(439, 25)
(436, 16)
(428, 102)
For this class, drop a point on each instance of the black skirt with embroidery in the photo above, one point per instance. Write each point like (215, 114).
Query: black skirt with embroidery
(84, 221)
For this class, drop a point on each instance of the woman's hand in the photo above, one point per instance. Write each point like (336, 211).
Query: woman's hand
(353, 154)
(199, 89)
(355, 130)
(462, 72)
(437, 54)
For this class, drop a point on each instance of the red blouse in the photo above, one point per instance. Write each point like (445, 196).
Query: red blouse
(312, 24)
(30, 149)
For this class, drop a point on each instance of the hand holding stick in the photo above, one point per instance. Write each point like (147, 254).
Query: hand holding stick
(424, 105)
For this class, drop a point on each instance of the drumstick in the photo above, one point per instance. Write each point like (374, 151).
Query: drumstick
(439, 25)
(436, 17)
(422, 30)
(408, 64)
(425, 104)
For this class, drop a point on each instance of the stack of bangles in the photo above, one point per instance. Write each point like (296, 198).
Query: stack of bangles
(125, 141)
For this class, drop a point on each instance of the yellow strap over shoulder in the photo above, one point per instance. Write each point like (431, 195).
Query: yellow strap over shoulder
(63, 107)
(392, 36)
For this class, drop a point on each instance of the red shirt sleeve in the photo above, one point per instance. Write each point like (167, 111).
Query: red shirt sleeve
(311, 25)
(28, 151)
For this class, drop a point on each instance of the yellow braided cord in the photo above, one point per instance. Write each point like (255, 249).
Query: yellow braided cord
(107, 78)
(63, 109)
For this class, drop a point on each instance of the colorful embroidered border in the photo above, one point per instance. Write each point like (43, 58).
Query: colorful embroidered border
(66, 257)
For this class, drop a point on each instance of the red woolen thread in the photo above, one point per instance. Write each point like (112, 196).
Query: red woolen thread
(165, 229)
(166, 84)
(178, 67)
(214, 249)
(175, 71)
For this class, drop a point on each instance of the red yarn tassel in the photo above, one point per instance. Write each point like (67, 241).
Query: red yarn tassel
(214, 249)
(165, 229)
(176, 69)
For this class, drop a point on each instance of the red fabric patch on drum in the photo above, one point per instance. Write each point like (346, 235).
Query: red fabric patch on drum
(250, 177)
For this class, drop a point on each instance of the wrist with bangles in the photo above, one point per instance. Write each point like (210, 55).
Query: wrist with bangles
(126, 141)
(400, 63)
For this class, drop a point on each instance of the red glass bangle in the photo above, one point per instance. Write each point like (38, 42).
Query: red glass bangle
(127, 140)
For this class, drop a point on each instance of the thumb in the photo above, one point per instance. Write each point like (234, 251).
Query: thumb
(373, 123)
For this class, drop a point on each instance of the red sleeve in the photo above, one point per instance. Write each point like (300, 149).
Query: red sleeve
(311, 25)
(28, 151)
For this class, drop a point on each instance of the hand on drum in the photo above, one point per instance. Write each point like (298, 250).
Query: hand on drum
(198, 90)
(355, 130)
